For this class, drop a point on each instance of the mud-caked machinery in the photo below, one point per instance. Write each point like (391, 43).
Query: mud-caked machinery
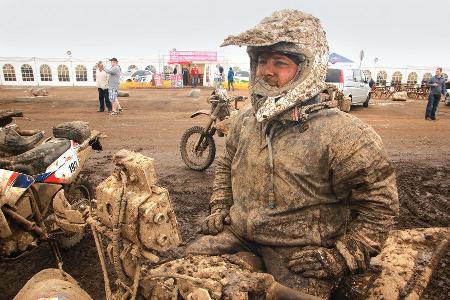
(135, 229)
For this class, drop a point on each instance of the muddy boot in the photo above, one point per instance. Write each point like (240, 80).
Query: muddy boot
(11, 142)
(6, 116)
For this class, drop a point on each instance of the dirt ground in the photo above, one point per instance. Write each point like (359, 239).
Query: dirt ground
(153, 122)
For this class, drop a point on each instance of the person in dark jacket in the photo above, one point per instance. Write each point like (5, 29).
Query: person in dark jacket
(302, 188)
(230, 79)
(185, 73)
(437, 88)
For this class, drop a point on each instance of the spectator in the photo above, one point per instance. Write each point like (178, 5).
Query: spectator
(230, 79)
(185, 73)
(218, 76)
(194, 75)
(372, 87)
(113, 85)
(437, 88)
(101, 81)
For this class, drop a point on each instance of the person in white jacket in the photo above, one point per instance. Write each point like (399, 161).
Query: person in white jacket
(101, 81)
(218, 76)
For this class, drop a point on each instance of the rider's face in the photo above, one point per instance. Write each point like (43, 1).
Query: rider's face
(275, 69)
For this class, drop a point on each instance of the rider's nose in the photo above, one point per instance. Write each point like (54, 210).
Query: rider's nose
(268, 69)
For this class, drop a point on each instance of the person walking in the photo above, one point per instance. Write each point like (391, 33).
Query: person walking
(437, 88)
(230, 79)
(194, 75)
(101, 81)
(113, 85)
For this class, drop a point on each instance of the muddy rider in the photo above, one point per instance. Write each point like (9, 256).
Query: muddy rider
(305, 187)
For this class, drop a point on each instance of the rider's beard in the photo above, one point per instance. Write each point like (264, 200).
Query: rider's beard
(271, 80)
(268, 86)
(260, 89)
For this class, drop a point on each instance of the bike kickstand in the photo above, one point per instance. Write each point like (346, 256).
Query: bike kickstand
(56, 253)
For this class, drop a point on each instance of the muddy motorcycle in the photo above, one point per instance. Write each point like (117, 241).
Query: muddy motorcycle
(135, 229)
(42, 195)
(197, 145)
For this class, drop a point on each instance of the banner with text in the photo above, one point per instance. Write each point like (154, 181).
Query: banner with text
(192, 56)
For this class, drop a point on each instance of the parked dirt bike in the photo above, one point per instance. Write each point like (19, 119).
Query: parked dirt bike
(42, 196)
(197, 145)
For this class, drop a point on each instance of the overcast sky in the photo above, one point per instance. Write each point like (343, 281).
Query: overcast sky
(399, 33)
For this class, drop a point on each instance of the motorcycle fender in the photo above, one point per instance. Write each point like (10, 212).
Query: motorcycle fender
(45, 193)
(12, 186)
(201, 112)
(72, 168)
(83, 155)
(64, 169)
(67, 218)
(5, 231)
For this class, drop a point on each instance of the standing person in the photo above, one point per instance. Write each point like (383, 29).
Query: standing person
(101, 81)
(437, 89)
(230, 78)
(218, 76)
(372, 87)
(185, 73)
(113, 85)
(371, 83)
(305, 187)
(194, 74)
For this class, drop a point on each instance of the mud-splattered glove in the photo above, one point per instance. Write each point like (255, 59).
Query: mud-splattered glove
(213, 224)
(318, 262)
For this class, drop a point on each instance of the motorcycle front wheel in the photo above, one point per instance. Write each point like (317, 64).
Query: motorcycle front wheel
(201, 158)
(81, 192)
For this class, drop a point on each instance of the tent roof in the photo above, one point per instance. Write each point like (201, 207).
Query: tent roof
(336, 58)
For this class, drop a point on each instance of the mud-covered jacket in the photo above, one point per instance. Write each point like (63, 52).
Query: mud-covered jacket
(333, 185)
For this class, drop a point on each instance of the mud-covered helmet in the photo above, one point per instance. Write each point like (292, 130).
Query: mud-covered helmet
(293, 33)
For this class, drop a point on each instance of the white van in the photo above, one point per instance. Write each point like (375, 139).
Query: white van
(352, 82)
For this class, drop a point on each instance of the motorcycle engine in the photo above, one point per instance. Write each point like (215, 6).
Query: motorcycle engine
(148, 219)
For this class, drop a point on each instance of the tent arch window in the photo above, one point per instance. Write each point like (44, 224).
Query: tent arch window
(27, 72)
(45, 73)
(9, 74)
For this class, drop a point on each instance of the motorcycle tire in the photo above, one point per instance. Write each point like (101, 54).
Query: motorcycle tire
(366, 103)
(210, 149)
(69, 240)
(80, 185)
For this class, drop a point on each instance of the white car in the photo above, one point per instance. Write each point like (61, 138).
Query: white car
(137, 76)
(126, 76)
(242, 76)
(352, 82)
